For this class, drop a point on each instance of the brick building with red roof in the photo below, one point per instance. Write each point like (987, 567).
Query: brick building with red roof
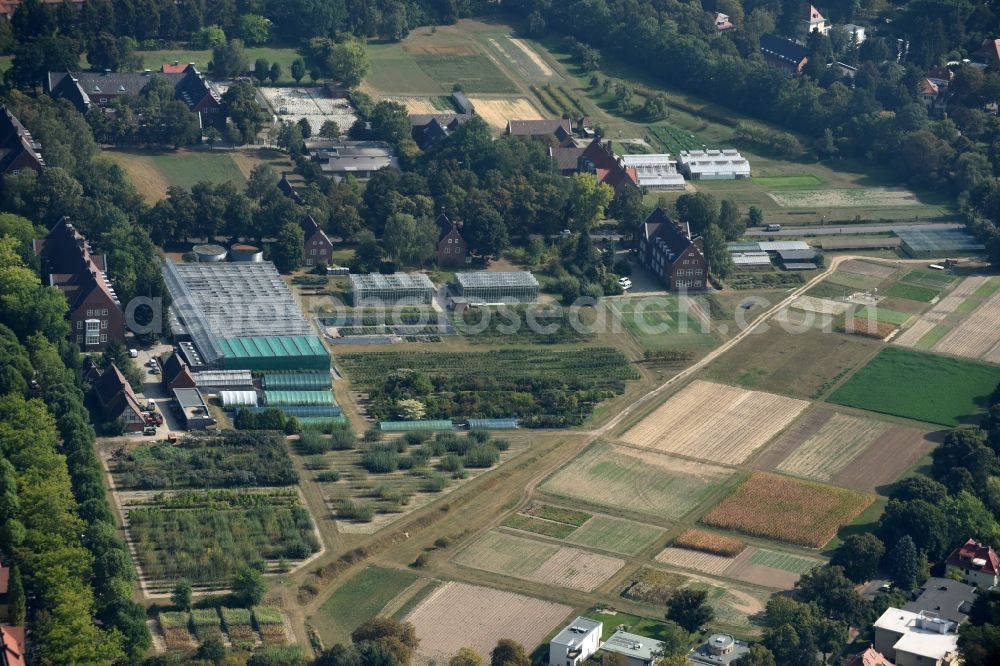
(978, 563)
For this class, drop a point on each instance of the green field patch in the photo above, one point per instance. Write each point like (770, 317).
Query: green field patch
(788, 182)
(358, 600)
(912, 292)
(643, 626)
(928, 278)
(784, 561)
(862, 197)
(854, 281)
(968, 306)
(547, 528)
(932, 337)
(829, 289)
(988, 289)
(924, 387)
(616, 535)
(183, 169)
(661, 322)
(476, 73)
(883, 315)
(641, 482)
(556, 513)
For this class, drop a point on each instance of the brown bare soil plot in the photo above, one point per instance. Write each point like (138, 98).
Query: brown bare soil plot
(977, 336)
(510, 555)
(803, 428)
(885, 460)
(866, 268)
(839, 441)
(497, 112)
(786, 509)
(716, 422)
(457, 615)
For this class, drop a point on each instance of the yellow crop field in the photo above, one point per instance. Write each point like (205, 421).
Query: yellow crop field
(716, 422)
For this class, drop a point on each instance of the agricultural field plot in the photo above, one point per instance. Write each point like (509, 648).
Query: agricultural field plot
(565, 385)
(798, 364)
(885, 460)
(226, 460)
(854, 281)
(720, 423)
(361, 598)
(978, 336)
(153, 172)
(519, 57)
(912, 292)
(365, 502)
(919, 386)
(295, 104)
(644, 483)
(456, 615)
(547, 520)
(759, 566)
(819, 305)
(662, 322)
(209, 536)
(616, 535)
(889, 197)
(788, 182)
(514, 556)
(949, 310)
(475, 72)
(242, 628)
(775, 507)
(424, 105)
(883, 315)
(496, 112)
(867, 268)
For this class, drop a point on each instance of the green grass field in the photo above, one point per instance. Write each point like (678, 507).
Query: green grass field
(357, 600)
(547, 528)
(788, 182)
(913, 292)
(928, 278)
(635, 624)
(153, 172)
(616, 535)
(988, 289)
(883, 315)
(201, 57)
(643, 483)
(659, 323)
(924, 387)
(475, 73)
(932, 337)
(783, 561)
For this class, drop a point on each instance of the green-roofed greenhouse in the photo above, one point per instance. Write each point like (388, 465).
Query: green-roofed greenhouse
(492, 424)
(290, 381)
(405, 426)
(278, 398)
(281, 352)
(319, 421)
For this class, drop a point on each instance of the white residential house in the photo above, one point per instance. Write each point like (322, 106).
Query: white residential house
(576, 643)
(857, 31)
(815, 21)
(916, 639)
(977, 562)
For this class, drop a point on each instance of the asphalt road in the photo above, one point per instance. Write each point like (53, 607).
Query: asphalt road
(850, 230)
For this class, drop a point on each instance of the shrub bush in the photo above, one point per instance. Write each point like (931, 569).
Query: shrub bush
(380, 460)
(434, 483)
(313, 442)
(328, 477)
(451, 463)
(358, 511)
(482, 455)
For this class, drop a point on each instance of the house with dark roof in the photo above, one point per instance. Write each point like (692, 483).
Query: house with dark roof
(13, 649)
(86, 90)
(67, 263)
(989, 52)
(176, 373)
(318, 246)
(538, 129)
(452, 249)
(599, 158)
(18, 151)
(566, 156)
(4, 588)
(783, 53)
(945, 597)
(90, 370)
(977, 563)
(288, 189)
(117, 401)
(722, 22)
(429, 128)
(667, 249)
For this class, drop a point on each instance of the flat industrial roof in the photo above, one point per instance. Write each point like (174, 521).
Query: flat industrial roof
(391, 281)
(496, 279)
(632, 645)
(782, 246)
(575, 630)
(189, 397)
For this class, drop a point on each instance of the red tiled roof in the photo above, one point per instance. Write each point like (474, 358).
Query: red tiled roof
(173, 68)
(870, 657)
(4, 579)
(928, 87)
(12, 647)
(971, 550)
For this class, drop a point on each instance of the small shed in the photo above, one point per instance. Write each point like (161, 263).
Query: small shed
(463, 103)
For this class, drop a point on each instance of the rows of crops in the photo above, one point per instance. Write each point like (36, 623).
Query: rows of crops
(210, 536)
(673, 139)
(557, 100)
(241, 626)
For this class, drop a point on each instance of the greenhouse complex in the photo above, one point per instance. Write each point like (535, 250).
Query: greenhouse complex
(377, 290)
(489, 287)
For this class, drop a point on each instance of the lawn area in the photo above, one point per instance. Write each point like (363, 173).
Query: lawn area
(883, 315)
(201, 57)
(635, 624)
(788, 182)
(153, 172)
(924, 387)
(357, 600)
(783, 561)
(660, 323)
(616, 535)
(913, 292)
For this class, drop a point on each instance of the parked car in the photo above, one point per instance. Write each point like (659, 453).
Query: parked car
(133, 353)
(625, 283)
(155, 370)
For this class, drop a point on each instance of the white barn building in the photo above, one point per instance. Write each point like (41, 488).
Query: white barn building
(725, 164)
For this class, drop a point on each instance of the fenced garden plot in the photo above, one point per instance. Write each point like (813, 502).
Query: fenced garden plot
(923, 387)
(715, 422)
(556, 513)
(519, 521)
(644, 483)
(227, 460)
(238, 625)
(674, 140)
(206, 624)
(514, 556)
(978, 336)
(207, 537)
(457, 615)
(785, 509)
(543, 388)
